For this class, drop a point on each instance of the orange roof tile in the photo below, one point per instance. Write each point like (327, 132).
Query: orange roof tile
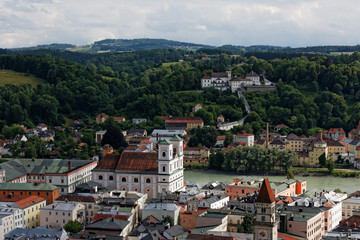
(29, 201)
(146, 141)
(220, 138)
(142, 147)
(265, 194)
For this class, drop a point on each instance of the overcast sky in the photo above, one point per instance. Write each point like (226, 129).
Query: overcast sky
(214, 22)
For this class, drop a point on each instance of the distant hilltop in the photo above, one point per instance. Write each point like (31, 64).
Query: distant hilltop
(130, 45)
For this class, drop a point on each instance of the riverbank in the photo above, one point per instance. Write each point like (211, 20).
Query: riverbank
(297, 171)
(314, 183)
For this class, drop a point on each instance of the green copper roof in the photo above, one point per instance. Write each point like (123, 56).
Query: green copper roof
(164, 142)
(27, 187)
(176, 138)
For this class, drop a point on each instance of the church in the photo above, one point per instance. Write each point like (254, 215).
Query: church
(145, 172)
(266, 220)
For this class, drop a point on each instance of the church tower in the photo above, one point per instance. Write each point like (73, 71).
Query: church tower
(266, 221)
(228, 72)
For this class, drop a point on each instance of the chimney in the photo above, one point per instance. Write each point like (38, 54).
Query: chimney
(320, 135)
(69, 165)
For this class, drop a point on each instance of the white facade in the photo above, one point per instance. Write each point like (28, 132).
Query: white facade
(66, 182)
(214, 202)
(18, 214)
(6, 222)
(246, 138)
(56, 215)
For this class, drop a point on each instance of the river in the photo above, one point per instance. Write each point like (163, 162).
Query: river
(314, 184)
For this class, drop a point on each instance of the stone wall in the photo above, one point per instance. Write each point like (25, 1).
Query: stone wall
(250, 89)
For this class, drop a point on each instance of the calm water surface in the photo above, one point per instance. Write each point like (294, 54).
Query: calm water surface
(314, 184)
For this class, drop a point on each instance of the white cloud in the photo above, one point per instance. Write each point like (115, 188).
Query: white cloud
(239, 22)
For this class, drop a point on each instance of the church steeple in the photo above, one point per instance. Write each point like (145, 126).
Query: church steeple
(266, 221)
(265, 194)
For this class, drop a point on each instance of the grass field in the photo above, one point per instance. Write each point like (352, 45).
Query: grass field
(16, 78)
(339, 53)
(169, 64)
(68, 121)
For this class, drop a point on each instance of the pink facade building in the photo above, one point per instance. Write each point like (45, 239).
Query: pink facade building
(145, 172)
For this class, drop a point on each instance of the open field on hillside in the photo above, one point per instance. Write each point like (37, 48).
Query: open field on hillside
(17, 78)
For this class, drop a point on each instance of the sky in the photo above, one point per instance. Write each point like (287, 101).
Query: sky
(294, 23)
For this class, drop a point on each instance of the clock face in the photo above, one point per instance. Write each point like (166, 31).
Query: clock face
(262, 234)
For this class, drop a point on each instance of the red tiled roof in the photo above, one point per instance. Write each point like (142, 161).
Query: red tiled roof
(265, 194)
(142, 147)
(100, 216)
(220, 138)
(146, 141)
(151, 219)
(137, 161)
(184, 120)
(108, 162)
(244, 134)
(26, 202)
(42, 125)
(339, 130)
(75, 198)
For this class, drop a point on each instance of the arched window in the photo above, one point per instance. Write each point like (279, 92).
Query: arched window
(136, 179)
(111, 178)
(164, 168)
(174, 152)
(123, 179)
(100, 177)
(148, 180)
(164, 154)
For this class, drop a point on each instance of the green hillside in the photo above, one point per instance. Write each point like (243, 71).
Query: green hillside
(16, 78)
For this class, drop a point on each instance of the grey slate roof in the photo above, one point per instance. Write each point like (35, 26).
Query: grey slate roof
(61, 206)
(108, 224)
(354, 142)
(175, 231)
(20, 167)
(95, 236)
(36, 233)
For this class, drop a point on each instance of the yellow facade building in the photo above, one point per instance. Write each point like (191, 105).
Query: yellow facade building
(319, 148)
(335, 147)
(294, 143)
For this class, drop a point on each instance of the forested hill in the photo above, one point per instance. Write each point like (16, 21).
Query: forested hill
(130, 45)
(311, 92)
(120, 45)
